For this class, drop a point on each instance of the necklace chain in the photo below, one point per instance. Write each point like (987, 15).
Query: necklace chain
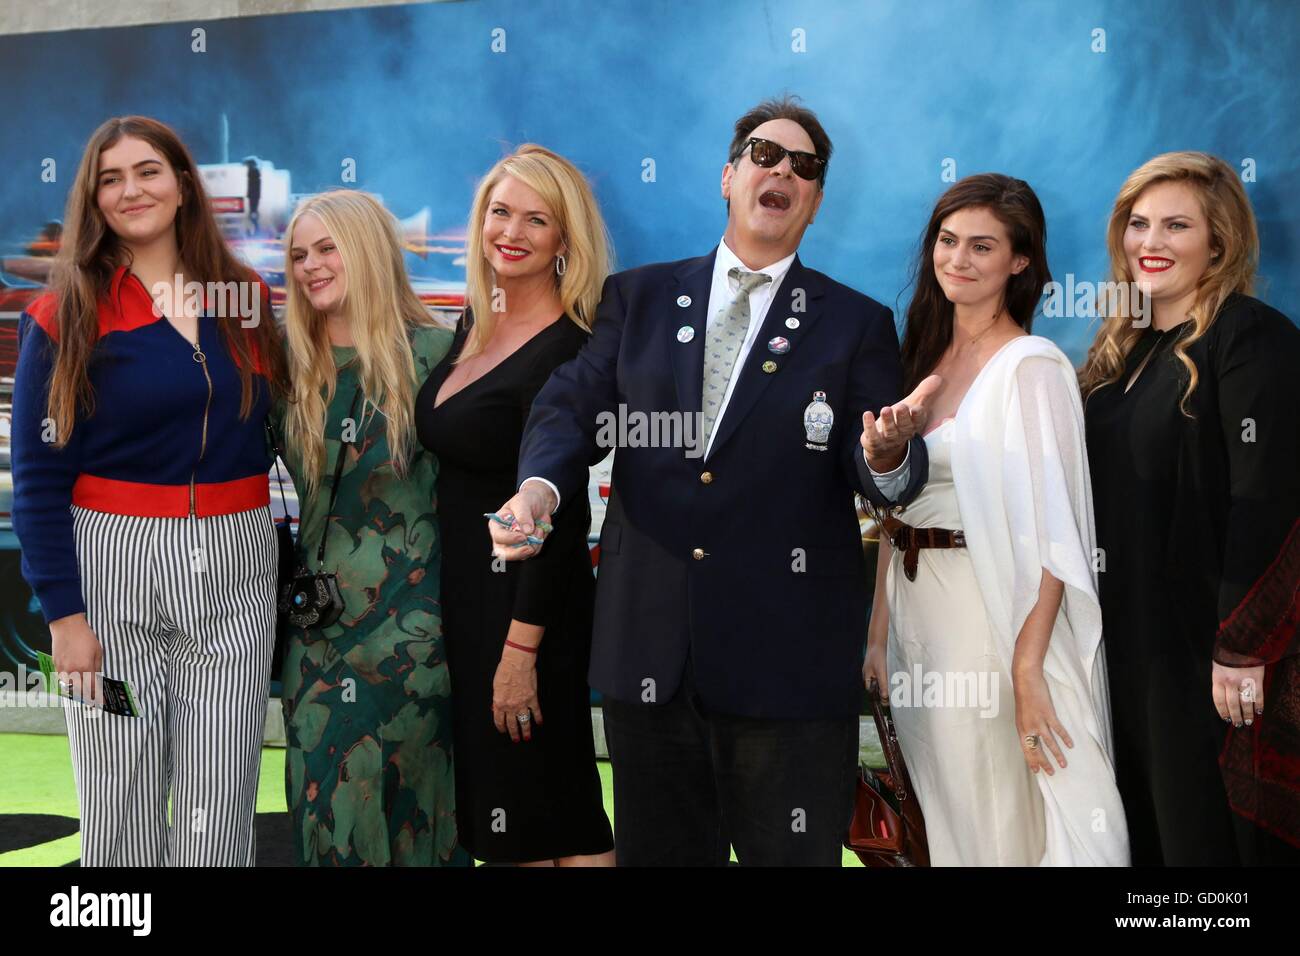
(983, 332)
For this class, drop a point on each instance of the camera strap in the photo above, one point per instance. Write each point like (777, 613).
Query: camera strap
(334, 489)
(275, 447)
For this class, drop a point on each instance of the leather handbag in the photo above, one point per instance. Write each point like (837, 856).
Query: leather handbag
(887, 829)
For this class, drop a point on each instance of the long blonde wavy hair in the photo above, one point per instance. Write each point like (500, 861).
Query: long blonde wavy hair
(1233, 235)
(589, 258)
(382, 310)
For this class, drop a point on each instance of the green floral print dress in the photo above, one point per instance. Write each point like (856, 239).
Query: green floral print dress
(367, 700)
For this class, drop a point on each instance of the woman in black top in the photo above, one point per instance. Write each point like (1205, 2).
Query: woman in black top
(1193, 419)
(518, 633)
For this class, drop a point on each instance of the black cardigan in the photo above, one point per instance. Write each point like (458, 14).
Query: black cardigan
(1235, 500)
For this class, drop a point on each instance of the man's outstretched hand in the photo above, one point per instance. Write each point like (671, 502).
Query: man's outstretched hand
(885, 437)
(527, 514)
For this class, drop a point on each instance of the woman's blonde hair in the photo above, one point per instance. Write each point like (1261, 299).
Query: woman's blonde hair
(588, 256)
(382, 309)
(1233, 238)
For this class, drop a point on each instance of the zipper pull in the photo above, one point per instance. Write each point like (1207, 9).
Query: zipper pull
(198, 344)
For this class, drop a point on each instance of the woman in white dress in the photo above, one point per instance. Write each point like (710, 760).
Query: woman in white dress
(986, 635)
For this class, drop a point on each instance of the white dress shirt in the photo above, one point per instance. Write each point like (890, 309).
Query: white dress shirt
(892, 483)
(721, 293)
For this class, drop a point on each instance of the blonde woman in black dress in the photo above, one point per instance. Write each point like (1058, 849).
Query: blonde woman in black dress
(518, 633)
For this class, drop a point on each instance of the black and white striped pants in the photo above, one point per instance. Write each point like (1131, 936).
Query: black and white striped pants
(185, 611)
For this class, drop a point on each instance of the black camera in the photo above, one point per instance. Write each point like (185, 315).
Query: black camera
(311, 600)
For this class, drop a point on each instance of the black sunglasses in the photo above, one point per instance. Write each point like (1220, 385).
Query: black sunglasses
(767, 154)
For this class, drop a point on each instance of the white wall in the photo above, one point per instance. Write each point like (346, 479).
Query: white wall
(37, 16)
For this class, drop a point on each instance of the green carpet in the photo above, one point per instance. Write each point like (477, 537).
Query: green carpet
(38, 779)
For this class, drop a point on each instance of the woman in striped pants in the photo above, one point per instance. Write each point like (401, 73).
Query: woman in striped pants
(141, 502)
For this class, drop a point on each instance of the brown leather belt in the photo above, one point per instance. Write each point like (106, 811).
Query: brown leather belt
(911, 540)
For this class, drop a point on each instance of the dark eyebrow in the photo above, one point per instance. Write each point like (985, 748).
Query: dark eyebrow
(143, 162)
(973, 238)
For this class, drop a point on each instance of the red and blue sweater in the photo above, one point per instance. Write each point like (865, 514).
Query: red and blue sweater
(142, 451)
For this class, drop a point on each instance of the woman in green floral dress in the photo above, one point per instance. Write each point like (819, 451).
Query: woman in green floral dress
(367, 704)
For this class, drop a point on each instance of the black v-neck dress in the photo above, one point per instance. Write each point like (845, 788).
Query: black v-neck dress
(539, 799)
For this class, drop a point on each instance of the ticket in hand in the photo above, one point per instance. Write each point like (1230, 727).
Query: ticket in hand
(543, 526)
(119, 698)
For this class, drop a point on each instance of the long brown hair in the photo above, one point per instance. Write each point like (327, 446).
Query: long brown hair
(1233, 235)
(928, 332)
(90, 253)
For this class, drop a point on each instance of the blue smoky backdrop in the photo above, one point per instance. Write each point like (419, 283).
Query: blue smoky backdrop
(418, 101)
(642, 95)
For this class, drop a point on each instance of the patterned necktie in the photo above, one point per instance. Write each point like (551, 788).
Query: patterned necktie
(725, 335)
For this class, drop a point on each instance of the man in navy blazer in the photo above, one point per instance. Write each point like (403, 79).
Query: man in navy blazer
(732, 598)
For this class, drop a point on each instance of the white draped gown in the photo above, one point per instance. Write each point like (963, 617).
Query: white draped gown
(1010, 471)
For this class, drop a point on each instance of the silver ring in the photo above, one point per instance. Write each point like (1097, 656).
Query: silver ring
(524, 718)
(66, 683)
(1248, 694)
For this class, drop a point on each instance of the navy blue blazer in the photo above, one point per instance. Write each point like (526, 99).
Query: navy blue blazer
(749, 560)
